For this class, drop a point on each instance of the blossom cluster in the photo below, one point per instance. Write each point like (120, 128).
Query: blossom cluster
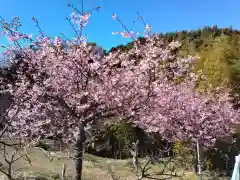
(150, 85)
(80, 19)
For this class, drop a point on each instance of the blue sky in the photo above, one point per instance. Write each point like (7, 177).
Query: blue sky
(162, 15)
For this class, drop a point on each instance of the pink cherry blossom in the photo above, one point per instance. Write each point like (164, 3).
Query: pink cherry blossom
(80, 20)
(114, 16)
(57, 42)
(148, 28)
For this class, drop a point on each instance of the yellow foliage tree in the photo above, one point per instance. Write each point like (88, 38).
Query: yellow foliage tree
(215, 61)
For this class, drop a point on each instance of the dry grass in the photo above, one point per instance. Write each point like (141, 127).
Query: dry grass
(95, 168)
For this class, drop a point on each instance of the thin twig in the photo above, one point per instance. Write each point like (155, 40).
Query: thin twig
(73, 28)
(37, 25)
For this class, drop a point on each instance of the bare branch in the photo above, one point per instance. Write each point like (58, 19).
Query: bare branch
(37, 25)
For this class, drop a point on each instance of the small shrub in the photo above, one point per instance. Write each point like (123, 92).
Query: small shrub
(183, 155)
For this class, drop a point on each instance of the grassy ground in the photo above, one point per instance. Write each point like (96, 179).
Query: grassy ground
(95, 168)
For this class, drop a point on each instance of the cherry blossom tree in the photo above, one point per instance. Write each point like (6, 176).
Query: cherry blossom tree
(179, 111)
(176, 108)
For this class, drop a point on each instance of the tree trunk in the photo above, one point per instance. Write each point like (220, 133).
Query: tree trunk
(199, 161)
(79, 153)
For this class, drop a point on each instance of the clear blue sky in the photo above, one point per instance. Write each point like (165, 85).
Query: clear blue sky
(162, 15)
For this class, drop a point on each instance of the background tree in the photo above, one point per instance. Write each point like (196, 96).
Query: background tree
(215, 63)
